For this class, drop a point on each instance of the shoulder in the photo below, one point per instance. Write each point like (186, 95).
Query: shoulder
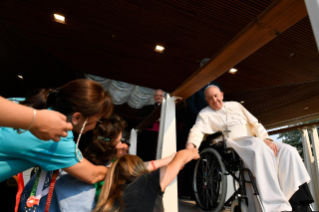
(206, 110)
(231, 103)
(150, 181)
(16, 99)
(70, 137)
(151, 177)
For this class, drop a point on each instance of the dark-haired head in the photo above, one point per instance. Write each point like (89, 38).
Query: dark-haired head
(106, 141)
(79, 100)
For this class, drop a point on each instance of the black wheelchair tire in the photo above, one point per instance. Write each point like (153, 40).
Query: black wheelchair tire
(218, 204)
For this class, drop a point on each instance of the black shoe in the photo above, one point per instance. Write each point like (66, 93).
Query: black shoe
(303, 208)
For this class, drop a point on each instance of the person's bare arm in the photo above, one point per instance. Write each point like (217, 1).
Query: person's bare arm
(169, 172)
(87, 172)
(47, 124)
(159, 163)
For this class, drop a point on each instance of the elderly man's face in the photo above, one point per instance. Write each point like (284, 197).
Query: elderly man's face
(158, 96)
(214, 97)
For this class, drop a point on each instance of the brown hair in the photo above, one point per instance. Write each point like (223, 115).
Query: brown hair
(102, 149)
(84, 96)
(124, 170)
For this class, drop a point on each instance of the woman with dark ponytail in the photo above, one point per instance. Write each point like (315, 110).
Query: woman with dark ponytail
(84, 102)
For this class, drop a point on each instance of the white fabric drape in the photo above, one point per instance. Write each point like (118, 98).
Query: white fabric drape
(122, 92)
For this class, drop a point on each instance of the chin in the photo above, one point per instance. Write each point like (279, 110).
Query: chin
(217, 107)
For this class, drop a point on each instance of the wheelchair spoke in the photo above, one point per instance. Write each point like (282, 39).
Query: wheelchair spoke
(209, 181)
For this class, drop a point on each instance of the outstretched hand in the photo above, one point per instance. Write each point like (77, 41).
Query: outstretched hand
(272, 146)
(195, 153)
(50, 125)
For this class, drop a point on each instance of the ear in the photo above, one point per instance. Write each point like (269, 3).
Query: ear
(222, 93)
(76, 118)
(206, 99)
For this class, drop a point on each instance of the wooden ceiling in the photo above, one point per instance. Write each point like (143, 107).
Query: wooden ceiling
(116, 39)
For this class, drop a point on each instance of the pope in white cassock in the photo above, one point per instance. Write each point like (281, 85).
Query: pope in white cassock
(277, 167)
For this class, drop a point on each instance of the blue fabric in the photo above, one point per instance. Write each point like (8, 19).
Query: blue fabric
(19, 152)
(70, 194)
(54, 207)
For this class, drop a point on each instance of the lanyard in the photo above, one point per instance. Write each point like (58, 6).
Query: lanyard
(31, 200)
(53, 180)
(37, 192)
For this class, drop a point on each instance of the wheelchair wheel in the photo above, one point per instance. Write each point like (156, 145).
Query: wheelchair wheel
(210, 184)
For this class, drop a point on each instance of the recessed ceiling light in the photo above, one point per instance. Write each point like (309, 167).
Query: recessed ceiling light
(59, 18)
(306, 108)
(159, 48)
(20, 76)
(233, 70)
(242, 102)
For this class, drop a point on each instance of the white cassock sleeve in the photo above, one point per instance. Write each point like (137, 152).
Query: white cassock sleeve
(200, 128)
(257, 128)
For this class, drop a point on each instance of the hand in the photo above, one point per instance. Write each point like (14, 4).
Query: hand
(196, 153)
(190, 146)
(272, 146)
(50, 125)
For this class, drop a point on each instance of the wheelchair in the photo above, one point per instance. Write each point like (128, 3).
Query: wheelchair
(210, 177)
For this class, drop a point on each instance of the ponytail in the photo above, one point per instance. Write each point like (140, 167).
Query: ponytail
(123, 171)
(82, 95)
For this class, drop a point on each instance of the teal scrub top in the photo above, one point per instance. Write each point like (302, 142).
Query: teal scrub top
(19, 152)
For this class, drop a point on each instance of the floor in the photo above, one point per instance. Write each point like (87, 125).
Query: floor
(187, 205)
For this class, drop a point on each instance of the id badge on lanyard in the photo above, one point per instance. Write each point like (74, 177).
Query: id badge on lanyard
(36, 193)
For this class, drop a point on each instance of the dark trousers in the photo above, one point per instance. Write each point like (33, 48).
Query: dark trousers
(302, 197)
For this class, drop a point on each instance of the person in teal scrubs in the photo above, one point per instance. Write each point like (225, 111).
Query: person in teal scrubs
(82, 101)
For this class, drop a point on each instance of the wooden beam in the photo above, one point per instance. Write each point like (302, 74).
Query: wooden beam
(278, 17)
(289, 129)
(285, 114)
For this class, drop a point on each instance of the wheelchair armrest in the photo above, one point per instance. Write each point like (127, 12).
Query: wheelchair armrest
(215, 135)
(208, 141)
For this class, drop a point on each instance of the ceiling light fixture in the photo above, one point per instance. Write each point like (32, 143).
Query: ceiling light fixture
(233, 70)
(59, 18)
(159, 48)
(242, 102)
(20, 76)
